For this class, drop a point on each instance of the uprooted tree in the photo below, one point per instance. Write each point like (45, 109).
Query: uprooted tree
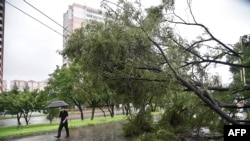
(187, 62)
(141, 59)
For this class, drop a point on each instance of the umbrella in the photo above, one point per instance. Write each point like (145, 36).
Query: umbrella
(56, 104)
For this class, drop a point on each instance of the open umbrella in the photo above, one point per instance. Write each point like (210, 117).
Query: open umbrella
(56, 104)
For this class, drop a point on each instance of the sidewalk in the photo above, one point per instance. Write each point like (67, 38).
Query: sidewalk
(103, 132)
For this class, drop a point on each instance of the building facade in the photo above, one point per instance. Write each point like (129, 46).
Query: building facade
(78, 16)
(2, 13)
(31, 84)
(4, 86)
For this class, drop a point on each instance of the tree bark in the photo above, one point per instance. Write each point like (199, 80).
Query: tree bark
(79, 106)
(214, 107)
(19, 115)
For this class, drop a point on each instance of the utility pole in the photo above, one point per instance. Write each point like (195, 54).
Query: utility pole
(245, 41)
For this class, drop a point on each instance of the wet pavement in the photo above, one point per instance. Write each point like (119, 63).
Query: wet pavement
(103, 132)
(13, 121)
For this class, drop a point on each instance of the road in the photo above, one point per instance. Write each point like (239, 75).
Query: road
(33, 120)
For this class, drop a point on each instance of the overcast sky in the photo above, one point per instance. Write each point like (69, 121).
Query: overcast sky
(30, 51)
(226, 19)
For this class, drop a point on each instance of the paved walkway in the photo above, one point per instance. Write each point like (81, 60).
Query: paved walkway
(103, 132)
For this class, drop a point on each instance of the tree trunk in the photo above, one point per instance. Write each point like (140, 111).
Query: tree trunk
(81, 112)
(27, 117)
(104, 114)
(82, 116)
(111, 110)
(79, 106)
(127, 109)
(19, 115)
(93, 112)
(93, 104)
(209, 102)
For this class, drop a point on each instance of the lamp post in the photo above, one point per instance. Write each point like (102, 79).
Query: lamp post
(245, 41)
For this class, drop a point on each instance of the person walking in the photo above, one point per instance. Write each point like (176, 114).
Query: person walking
(63, 122)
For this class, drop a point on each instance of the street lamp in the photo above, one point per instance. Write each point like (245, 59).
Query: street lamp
(245, 40)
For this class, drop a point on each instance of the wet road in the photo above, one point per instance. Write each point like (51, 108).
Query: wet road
(33, 120)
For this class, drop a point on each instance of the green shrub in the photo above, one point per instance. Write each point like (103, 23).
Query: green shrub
(52, 113)
(138, 124)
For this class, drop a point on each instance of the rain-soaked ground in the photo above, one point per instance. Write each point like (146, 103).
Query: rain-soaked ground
(103, 132)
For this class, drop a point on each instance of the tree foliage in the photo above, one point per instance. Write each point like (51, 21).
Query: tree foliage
(64, 84)
(22, 103)
(139, 57)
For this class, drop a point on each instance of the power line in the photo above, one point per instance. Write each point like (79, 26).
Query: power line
(46, 16)
(34, 18)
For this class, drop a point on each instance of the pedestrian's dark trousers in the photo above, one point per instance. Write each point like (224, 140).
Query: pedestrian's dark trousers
(65, 125)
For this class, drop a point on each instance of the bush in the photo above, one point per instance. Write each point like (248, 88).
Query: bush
(138, 124)
(181, 119)
(52, 113)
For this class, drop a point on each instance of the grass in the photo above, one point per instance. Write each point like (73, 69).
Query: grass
(12, 131)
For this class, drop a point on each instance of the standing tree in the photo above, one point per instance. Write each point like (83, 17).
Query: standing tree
(64, 84)
(10, 102)
(22, 103)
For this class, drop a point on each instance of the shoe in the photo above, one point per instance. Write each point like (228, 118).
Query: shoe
(67, 137)
(57, 137)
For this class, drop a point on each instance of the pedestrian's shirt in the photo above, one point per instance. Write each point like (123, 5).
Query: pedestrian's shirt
(63, 115)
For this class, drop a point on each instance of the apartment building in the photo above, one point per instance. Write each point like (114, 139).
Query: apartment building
(4, 86)
(31, 84)
(78, 16)
(2, 13)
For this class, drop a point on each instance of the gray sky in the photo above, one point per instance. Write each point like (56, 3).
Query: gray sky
(226, 19)
(30, 47)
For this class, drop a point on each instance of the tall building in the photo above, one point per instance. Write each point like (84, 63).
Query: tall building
(4, 86)
(31, 84)
(2, 13)
(78, 16)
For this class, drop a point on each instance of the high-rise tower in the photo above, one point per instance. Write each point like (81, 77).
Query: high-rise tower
(78, 16)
